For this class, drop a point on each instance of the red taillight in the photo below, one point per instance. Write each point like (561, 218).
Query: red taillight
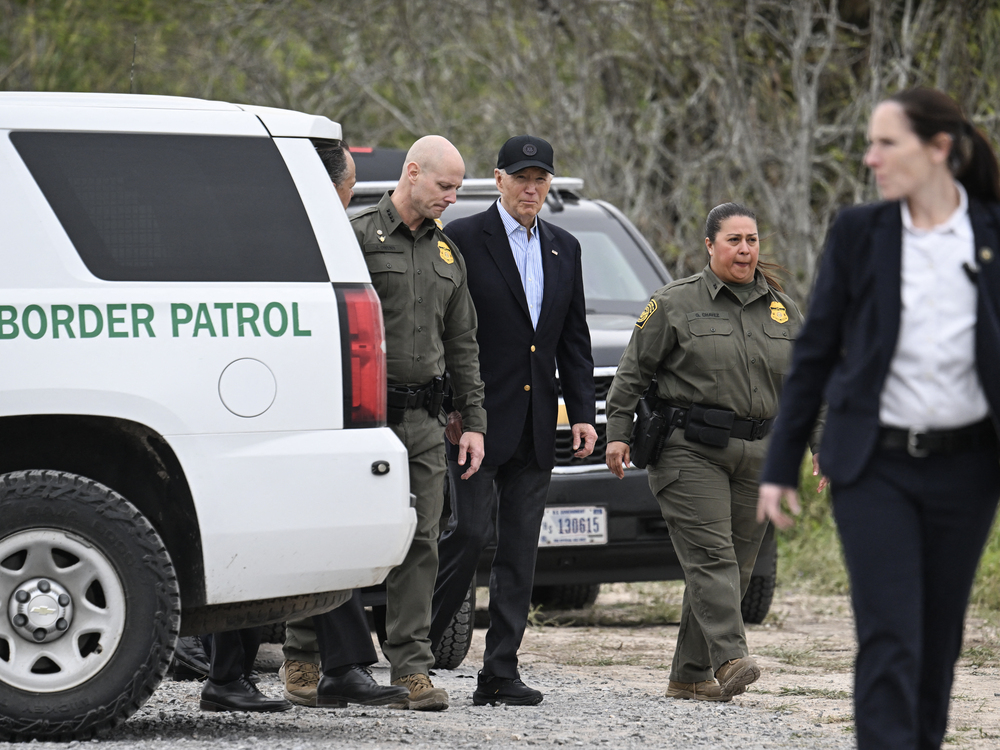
(362, 343)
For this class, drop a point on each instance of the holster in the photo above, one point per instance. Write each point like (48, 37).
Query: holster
(650, 430)
(435, 397)
(709, 426)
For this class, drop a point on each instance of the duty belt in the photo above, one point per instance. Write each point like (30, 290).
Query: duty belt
(920, 443)
(713, 426)
(402, 397)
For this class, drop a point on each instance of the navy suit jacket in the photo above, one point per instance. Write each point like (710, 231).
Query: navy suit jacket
(517, 362)
(844, 349)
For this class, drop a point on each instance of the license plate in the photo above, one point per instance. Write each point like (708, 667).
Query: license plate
(563, 525)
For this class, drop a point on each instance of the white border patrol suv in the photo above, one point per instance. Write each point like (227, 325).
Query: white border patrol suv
(192, 395)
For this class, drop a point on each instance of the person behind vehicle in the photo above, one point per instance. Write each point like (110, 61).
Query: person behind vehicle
(430, 326)
(526, 281)
(903, 338)
(719, 344)
(348, 651)
(229, 687)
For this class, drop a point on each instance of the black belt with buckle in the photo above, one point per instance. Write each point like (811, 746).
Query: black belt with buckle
(751, 429)
(919, 442)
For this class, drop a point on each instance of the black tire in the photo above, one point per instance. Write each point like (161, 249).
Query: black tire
(760, 593)
(457, 637)
(565, 596)
(274, 633)
(66, 539)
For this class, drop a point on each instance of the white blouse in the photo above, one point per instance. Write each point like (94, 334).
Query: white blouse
(932, 381)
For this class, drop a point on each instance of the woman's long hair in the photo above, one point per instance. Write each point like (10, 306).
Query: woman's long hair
(971, 160)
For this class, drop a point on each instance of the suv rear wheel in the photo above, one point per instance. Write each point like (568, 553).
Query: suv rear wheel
(90, 610)
(760, 592)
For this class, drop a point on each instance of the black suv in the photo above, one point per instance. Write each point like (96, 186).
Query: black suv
(597, 528)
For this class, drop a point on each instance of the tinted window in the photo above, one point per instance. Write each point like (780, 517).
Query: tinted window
(175, 207)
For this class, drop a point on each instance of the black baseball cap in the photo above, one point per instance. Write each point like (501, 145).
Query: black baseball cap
(523, 151)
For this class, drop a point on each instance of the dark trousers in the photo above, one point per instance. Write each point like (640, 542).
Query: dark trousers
(233, 653)
(913, 530)
(343, 636)
(514, 495)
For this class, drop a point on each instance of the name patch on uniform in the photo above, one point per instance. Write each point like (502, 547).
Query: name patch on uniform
(644, 316)
(707, 314)
(778, 313)
(445, 252)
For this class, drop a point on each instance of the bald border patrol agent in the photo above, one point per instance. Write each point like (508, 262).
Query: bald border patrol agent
(719, 344)
(430, 327)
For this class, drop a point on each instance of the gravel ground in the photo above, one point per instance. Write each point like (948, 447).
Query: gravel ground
(578, 711)
(603, 687)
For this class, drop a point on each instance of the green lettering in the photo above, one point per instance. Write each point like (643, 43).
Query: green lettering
(296, 331)
(225, 307)
(113, 321)
(61, 321)
(8, 327)
(98, 324)
(144, 320)
(280, 331)
(175, 315)
(203, 320)
(43, 322)
(250, 319)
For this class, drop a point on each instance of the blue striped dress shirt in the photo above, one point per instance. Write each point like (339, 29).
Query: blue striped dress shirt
(527, 251)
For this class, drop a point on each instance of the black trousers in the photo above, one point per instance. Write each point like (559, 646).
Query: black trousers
(232, 654)
(343, 635)
(913, 530)
(510, 500)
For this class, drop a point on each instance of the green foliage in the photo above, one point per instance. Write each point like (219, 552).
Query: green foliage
(809, 554)
(986, 591)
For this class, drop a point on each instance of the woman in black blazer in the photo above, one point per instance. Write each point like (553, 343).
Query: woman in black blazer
(902, 340)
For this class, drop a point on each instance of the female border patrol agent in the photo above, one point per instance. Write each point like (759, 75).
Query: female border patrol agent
(719, 344)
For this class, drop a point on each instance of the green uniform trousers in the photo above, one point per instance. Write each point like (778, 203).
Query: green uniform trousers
(410, 585)
(708, 498)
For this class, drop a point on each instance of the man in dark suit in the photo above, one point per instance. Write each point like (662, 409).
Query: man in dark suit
(526, 282)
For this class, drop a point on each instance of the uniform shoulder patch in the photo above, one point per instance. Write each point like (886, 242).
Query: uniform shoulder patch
(445, 252)
(778, 312)
(644, 316)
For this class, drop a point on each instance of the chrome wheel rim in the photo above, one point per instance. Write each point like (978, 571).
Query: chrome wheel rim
(63, 612)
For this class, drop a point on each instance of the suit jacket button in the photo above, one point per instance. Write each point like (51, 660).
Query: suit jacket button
(527, 387)
(532, 347)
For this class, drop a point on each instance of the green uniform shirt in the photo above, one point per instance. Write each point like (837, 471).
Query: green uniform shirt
(430, 320)
(707, 347)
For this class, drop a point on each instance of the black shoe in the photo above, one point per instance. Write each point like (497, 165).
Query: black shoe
(492, 690)
(239, 695)
(356, 685)
(190, 660)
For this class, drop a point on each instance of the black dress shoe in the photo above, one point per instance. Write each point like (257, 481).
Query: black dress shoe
(356, 685)
(190, 660)
(239, 695)
(492, 690)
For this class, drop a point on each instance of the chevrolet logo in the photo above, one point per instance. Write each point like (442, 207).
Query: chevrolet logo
(41, 609)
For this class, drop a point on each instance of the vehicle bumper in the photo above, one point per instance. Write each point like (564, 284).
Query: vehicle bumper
(290, 513)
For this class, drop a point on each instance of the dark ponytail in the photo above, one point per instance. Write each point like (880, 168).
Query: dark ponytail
(971, 160)
(713, 223)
